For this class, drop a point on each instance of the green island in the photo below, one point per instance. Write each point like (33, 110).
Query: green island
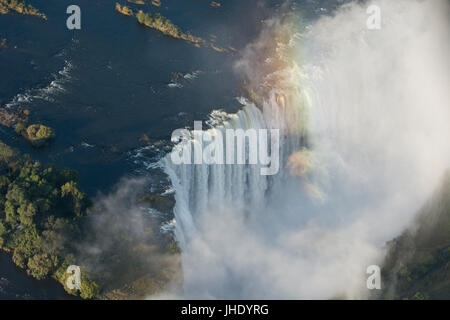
(124, 10)
(37, 134)
(158, 22)
(140, 2)
(165, 26)
(47, 224)
(156, 3)
(21, 7)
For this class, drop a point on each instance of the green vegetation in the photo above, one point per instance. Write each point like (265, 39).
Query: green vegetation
(173, 247)
(47, 224)
(140, 2)
(158, 202)
(135, 267)
(19, 6)
(124, 10)
(20, 127)
(164, 25)
(41, 208)
(6, 154)
(156, 3)
(38, 134)
(251, 94)
(218, 49)
(160, 23)
(418, 262)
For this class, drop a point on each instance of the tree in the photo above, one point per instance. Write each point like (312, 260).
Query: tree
(70, 189)
(19, 258)
(16, 195)
(10, 212)
(39, 134)
(20, 127)
(140, 16)
(40, 265)
(6, 153)
(26, 213)
(2, 233)
(4, 183)
(40, 208)
(89, 288)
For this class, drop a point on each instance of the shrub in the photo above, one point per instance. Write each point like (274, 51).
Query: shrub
(39, 134)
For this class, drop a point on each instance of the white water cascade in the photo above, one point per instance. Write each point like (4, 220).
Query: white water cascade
(203, 188)
(363, 119)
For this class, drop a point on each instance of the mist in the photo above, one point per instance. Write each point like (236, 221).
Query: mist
(124, 248)
(372, 108)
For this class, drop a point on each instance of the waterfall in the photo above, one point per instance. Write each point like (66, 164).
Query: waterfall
(206, 187)
(363, 141)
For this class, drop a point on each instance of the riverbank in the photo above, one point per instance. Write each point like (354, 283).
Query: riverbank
(16, 284)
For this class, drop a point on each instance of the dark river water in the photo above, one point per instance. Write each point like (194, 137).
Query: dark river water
(15, 284)
(103, 87)
(108, 84)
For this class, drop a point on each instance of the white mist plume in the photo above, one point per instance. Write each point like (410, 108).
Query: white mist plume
(123, 249)
(376, 103)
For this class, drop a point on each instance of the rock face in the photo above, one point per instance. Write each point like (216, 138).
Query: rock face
(161, 203)
(9, 117)
(417, 265)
